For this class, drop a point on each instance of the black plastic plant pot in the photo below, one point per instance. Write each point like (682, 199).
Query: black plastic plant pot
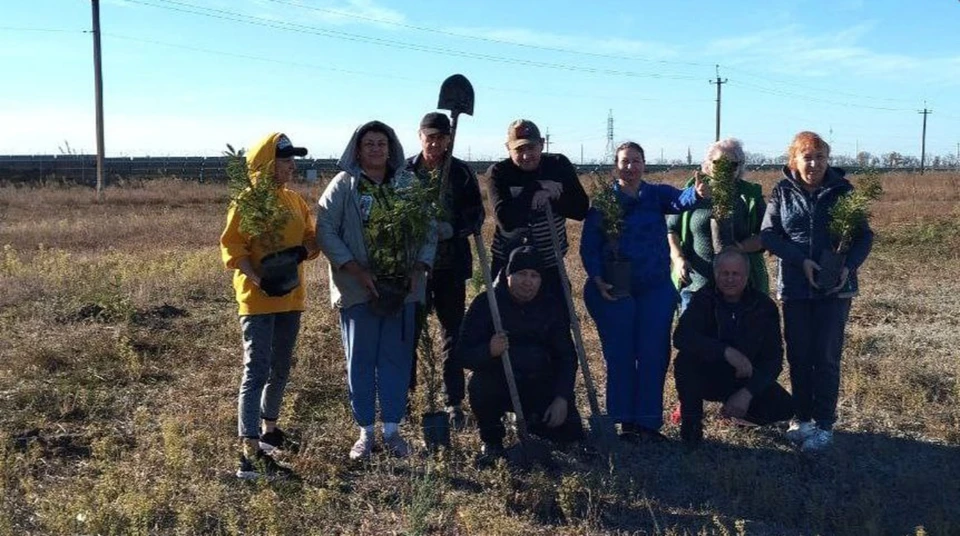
(721, 234)
(831, 266)
(393, 293)
(617, 273)
(436, 429)
(280, 274)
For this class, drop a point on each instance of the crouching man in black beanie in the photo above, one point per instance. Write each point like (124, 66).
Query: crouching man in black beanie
(543, 358)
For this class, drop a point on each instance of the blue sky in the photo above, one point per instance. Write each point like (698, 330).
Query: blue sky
(184, 77)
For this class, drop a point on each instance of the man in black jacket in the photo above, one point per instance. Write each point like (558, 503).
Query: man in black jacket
(519, 189)
(462, 215)
(543, 359)
(729, 349)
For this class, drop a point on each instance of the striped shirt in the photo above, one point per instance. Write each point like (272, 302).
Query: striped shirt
(511, 192)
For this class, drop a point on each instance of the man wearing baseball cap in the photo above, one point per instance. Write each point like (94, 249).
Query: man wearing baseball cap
(462, 215)
(520, 188)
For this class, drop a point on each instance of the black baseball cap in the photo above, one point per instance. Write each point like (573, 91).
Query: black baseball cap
(435, 123)
(285, 148)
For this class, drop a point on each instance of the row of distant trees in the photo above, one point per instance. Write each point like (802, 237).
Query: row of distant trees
(892, 159)
(863, 159)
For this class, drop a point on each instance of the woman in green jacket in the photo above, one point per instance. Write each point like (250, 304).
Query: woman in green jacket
(691, 239)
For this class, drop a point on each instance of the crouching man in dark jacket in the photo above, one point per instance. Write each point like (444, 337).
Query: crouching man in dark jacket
(542, 356)
(730, 350)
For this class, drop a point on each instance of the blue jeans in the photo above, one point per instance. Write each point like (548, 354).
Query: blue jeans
(379, 353)
(268, 342)
(635, 337)
(813, 332)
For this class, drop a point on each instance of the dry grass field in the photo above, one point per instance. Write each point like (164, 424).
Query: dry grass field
(120, 361)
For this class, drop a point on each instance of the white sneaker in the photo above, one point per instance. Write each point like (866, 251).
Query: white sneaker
(362, 448)
(820, 440)
(799, 432)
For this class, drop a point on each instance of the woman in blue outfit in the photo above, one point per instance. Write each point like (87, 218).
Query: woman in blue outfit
(635, 330)
(796, 229)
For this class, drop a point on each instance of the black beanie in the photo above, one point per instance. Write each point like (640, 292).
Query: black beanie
(523, 258)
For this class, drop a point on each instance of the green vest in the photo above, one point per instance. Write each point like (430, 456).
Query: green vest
(752, 195)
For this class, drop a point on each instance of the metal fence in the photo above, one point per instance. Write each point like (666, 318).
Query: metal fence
(82, 169)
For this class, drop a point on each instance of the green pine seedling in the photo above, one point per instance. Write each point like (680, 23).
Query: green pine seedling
(262, 215)
(723, 185)
(606, 203)
(852, 210)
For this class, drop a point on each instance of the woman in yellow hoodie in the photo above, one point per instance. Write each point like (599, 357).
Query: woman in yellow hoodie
(269, 312)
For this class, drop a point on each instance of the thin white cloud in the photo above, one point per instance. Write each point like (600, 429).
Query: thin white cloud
(791, 50)
(574, 43)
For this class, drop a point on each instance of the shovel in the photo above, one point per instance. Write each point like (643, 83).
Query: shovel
(531, 449)
(601, 428)
(456, 95)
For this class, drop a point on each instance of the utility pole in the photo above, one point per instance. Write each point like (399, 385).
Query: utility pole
(581, 154)
(923, 142)
(719, 83)
(548, 141)
(98, 94)
(610, 147)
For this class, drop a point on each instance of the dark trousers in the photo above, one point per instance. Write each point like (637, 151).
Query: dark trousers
(490, 400)
(446, 295)
(698, 381)
(813, 332)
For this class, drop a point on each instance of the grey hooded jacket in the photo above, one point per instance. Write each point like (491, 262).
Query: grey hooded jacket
(340, 225)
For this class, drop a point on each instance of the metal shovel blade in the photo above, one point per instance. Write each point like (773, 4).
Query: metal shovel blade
(456, 95)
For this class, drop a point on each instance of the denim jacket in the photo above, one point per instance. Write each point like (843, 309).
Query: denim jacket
(796, 227)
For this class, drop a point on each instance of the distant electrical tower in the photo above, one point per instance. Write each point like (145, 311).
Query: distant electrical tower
(610, 147)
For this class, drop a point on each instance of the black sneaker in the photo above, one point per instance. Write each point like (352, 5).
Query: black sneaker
(691, 433)
(489, 454)
(648, 435)
(261, 465)
(271, 442)
(458, 421)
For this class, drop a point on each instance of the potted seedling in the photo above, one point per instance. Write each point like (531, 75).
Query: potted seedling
(847, 219)
(723, 185)
(616, 268)
(435, 423)
(262, 216)
(397, 229)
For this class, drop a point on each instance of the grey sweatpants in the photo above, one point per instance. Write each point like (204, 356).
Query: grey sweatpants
(268, 342)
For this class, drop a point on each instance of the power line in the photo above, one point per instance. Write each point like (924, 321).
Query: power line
(450, 33)
(781, 93)
(378, 74)
(51, 30)
(812, 88)
(223, 14)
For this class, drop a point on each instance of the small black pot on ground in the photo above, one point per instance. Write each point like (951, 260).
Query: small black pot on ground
(436, 429)
(831, 265)
(617, 273)
(280, 274)
(393, 293)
